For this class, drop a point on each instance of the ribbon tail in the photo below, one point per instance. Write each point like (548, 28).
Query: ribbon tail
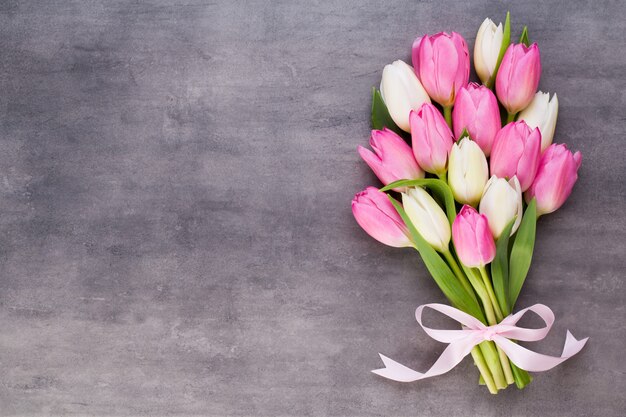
(450, 357)
(537, 362)
(396, 371)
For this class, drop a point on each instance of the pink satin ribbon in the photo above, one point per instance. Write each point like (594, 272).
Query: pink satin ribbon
(461, 342)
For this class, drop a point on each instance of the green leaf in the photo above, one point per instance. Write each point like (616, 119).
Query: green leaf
(438, 186)
(380, 115)
(524, 38)
(440, 271)
(522, 252)
(500, 269)
(506, 40)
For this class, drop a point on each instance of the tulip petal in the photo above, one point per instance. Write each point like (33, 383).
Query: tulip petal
(377, 216)
(441, 62)
(556, 176)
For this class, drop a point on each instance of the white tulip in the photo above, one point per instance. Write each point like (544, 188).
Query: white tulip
(487, 49)
(542, 113)
(427, 217)
(402, 92)
(467, 171)
(501, 202)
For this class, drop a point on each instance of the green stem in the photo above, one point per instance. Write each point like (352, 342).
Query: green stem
(493, 363)
(491, 316)
(522, 377)
(479, 360)
(506, 366)
(491, 293)
(443, 176)
(482, 294)
(459, 274)
(447, 113)
(510, 117)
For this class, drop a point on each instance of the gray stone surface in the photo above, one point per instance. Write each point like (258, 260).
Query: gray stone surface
(175, 227)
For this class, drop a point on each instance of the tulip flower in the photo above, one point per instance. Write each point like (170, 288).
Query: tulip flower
(516, 151)
(472, 238)
(501, 203)
(518, 77)
(556, 176)
(378, 217)
(427, 217)
(402, 92)
(431, 138)
(441, 62)
(542, 113)
(476, 109)
(392, 159)
(487, 49)
(467, 172)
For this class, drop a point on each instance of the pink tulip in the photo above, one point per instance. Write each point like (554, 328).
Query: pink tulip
(431, 138)
(476, 109)
(518, 76)
(393, 159)
(556, 176)
(378, 217)
(442, 64)
(516, 151)
(472, 238)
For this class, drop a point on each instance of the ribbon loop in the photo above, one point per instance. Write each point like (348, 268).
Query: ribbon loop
(461, 342)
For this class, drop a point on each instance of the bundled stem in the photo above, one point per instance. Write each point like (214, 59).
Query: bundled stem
(481, 364)
(491, 303)
(513, 374)
(498, 365)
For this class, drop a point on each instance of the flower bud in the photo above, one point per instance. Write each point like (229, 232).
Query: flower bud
(501, 203)
(516, 151)
(542, 113)
(556, 176)
(476, 109)
(432, 139)
(467, 172)
(442, 64)
(378, 217)
(427, 217)
(393, 159)
(487, 49)
(472, 238)
(402, 92)
(518, 76)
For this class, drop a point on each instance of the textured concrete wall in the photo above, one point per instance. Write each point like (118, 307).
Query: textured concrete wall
(175, 227)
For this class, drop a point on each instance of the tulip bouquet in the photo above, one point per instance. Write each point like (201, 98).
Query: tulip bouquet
(481, 169)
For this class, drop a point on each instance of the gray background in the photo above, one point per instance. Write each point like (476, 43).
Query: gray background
(176, 235)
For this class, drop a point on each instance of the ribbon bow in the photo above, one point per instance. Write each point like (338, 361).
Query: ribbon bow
(461, 342)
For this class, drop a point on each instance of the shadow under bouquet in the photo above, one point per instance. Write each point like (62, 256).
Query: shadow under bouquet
(480, 170)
